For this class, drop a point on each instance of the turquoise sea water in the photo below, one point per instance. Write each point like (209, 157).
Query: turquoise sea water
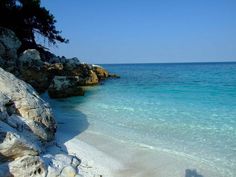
(187, 109)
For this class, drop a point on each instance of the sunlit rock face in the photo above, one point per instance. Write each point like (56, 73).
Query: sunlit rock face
(27, 127)
(26, 103)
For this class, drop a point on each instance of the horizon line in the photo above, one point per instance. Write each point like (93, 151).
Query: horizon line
(181, 62)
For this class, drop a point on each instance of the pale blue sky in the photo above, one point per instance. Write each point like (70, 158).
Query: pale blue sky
(146, 31)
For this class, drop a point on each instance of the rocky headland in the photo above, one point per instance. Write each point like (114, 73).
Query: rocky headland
(27, 124)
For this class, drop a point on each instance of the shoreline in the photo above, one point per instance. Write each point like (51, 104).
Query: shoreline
(102, 155)
(142, 161)
(93, 161)
(108, 156)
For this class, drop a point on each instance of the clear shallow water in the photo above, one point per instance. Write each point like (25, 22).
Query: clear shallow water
(186, 109)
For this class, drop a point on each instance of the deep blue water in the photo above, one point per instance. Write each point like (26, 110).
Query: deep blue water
(188, 109)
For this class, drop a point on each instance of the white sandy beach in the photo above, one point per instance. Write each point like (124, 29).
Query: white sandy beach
(94, 163)
(106, 157)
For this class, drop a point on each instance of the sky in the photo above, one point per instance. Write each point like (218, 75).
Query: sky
(146, 31)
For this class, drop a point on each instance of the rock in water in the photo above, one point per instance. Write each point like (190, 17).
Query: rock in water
(65, 86)
(115, 76)
(91, 79)
(100, 71)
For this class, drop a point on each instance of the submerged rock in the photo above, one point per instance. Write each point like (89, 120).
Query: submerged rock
(114, 76)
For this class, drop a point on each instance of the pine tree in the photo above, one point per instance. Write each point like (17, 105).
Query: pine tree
(27, 19)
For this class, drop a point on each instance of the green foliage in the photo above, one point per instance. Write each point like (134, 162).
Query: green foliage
(27, 18)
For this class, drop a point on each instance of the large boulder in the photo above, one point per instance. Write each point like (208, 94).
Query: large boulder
(72, 83)
(33, 70)
(72, 67)
(67, 164)
(14, 144)
(101, 72)
(28, 66)
(65, 86)
(30, 58)
(71, 63)
(26, 103)
(26, 124)
(27, 166)
(9, 45)
(91, 78)
(47, 165)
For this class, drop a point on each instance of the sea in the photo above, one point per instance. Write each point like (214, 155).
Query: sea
(186, 109)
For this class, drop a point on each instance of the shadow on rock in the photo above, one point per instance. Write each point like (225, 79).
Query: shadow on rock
(70, 120)
(192, 173)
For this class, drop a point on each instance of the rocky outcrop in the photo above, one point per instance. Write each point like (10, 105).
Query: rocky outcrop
(34, 71)
(42, 69)
(15, 144)
(91, 79)
(100, 72)
(30, 108)
(65, 86)
(59, 72)
(9, 44)
(27, 166)
(26, 126)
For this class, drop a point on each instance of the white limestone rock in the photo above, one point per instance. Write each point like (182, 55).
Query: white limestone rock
(36, 113)
(13, 144)
(28, 166)
(61, 165)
